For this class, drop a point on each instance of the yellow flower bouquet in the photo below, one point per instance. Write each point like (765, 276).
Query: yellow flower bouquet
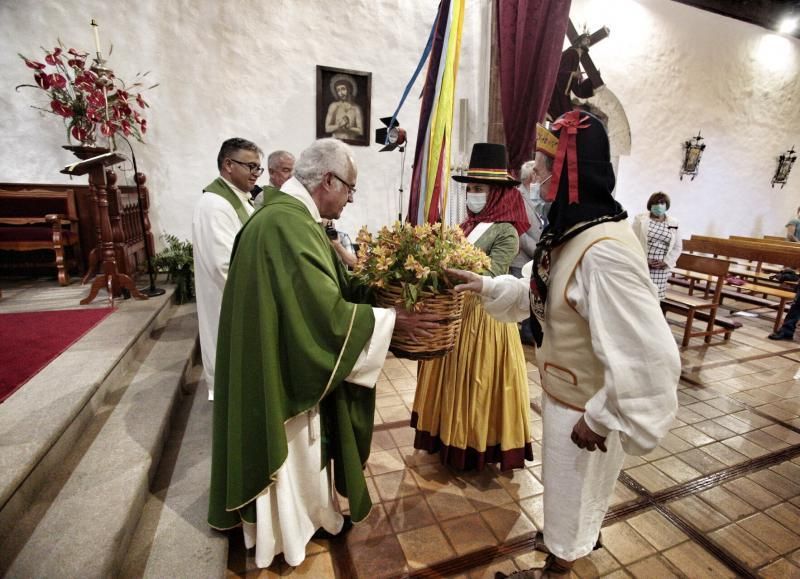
(405, 264)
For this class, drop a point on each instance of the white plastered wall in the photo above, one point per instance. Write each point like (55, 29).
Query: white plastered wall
(236, 68)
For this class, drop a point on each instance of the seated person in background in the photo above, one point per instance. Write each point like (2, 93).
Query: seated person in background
(341, 243)
(280, 165)
(786, 331)
(792, 231)
(658, 233)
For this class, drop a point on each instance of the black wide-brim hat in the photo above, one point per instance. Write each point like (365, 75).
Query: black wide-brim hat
(488, 165)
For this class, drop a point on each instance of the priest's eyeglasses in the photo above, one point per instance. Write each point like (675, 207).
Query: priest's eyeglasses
(351, 189)
(252, 167)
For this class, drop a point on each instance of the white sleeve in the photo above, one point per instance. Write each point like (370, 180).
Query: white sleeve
(633, 341)
(677, 248)
(368, 366)
(214, 228)
(506, 298)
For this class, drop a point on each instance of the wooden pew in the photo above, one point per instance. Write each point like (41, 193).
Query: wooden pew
(692, 306)
(756, 252)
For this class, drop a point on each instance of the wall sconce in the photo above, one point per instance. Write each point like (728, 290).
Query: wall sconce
(693, 150)
(785, 163)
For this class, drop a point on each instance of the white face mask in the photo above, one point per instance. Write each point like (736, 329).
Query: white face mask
(476, 202)
(536, 190)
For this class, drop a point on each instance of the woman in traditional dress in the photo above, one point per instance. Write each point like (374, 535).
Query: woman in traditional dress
(472, 405)
(658, 233)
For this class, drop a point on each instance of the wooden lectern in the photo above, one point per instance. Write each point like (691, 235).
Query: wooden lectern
(108, 275)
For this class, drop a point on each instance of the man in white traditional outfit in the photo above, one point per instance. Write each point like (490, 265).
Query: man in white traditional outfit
(298, 357)
(608, 363)
(280, 167)
(219, 215)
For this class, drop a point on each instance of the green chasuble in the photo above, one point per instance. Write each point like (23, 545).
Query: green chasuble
(291, 329)
(222, 189)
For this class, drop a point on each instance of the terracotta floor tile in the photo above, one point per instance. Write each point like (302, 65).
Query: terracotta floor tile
(780, 569)
(691, 435)
(409, 513)
(534, 508)
(746, 447)
(622, 494)
(752, 419)
(415, 458)
(425, 546)
(379, 557)
(676, 469)
(381, 440)
(795, 558)
(734, 424)
(394, 413)
(724, 454)
(699, 513)
(752, 492)
(433, 476)
(508, 522)
(727, 503)
(488, 571)
(651, 478)
(688, 416)
(375, 525)
(658, 531)
(385, 461)
(727, 405)
(520, 484)
(395, 485)
(694, 561)
(787, 514)
(673, 444)
(651, 567)
(618, 574)
(788, 470)
(448, 503)
(598, 563)
(404, 385)
(656, 454)
(486, 494)
(388, 399)
(316, 567)
(776, 484)
(777, 411)
(531, 560)
(776, 535)
(747, 548)
(625, 544)
(714, 430)
(765, 440)
(783, 433)
(701, 461)
(469, 533)
(403, 436)
(705, 410)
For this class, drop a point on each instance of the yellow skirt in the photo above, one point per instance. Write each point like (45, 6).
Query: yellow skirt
(472, 405)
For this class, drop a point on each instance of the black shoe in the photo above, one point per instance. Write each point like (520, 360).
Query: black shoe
(779, 335)
(323, 534)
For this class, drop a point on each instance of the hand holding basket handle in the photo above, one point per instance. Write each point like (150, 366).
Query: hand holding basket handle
(472, 281)
(412, 326)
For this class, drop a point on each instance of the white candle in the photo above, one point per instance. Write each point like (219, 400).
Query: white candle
(96, 36)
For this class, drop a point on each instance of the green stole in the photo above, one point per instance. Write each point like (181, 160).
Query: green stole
(292, 326)
(222, 189)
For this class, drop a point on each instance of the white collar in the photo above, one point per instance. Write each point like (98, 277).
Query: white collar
(297, 190)
(245, 196)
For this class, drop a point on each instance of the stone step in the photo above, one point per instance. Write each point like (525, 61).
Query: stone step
(173, 538)
(81, 523)
(42, 421)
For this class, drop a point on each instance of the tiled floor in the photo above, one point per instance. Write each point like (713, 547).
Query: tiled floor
(720, 497)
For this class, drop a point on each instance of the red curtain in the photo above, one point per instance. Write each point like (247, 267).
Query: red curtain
(530, 35)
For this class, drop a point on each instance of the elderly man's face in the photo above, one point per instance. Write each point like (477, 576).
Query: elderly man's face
(281, 172)
(540, 172)
(339, 192)
(342, 91)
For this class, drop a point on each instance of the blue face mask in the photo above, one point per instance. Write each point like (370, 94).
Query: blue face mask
(659, 209)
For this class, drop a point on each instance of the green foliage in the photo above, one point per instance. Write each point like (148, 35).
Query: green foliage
(177, 260)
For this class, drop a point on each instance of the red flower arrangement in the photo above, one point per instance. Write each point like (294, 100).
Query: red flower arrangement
(76, 95)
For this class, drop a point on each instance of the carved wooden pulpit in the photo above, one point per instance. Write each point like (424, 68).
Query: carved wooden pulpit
(94, 161)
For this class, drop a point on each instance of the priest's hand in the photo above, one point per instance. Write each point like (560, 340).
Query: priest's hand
(415, 325)
(585, 437)
(474, 282)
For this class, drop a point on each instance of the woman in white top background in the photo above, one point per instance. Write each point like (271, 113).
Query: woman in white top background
(659, 235)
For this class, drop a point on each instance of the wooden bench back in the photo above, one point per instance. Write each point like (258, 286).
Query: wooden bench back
(770, 242)
(753, 251)
(711, 266)
(32, 205)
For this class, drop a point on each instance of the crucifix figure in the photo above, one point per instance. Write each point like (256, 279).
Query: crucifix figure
(570, 79)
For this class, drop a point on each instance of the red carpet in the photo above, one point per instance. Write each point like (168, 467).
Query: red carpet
(31, 340)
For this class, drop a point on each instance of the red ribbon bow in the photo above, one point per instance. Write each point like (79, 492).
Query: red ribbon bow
(568, 124)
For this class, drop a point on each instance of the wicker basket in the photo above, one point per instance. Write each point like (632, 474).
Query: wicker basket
(448, 305)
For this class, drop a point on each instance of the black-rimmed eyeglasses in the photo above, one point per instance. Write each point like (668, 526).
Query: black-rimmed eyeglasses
(351, 189)
(252, 167)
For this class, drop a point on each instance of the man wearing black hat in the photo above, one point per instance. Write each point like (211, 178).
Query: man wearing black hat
(608, 362)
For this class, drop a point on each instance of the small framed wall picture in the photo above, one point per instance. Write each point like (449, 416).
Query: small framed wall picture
(343, 104)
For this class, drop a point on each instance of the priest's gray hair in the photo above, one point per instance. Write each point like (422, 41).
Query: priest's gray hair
(275, 157)
(525, 171)
(322, 157)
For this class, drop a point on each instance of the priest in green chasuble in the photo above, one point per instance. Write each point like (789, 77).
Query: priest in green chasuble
(298, 355)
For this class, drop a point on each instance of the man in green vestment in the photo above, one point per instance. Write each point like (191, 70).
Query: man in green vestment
(298, 356)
